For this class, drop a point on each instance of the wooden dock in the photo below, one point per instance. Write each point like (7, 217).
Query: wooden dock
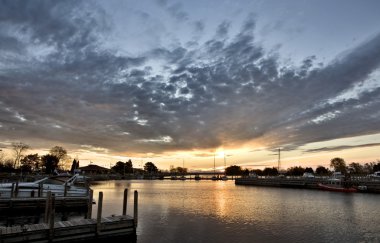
(40, 202)
(79, 230)
(71, 231)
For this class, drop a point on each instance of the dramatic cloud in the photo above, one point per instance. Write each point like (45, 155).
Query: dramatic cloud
(337, 148)
(61, 83)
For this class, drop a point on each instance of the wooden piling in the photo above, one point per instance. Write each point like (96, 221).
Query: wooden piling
(51, 217)
(89, 204)
(39, 193)
(16, 189)
(65, 190)
(99, 216)
(135, 207)
(47, 207)
(13, 190)
(125, 201)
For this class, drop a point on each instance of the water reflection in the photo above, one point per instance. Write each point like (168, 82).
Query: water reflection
(219, 211)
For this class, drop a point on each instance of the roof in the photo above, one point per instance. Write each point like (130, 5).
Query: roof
(93, 168)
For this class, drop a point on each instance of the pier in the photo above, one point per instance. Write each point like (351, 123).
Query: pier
(372, 186)
(78, 230)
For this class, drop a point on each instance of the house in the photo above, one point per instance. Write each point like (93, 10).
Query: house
(93, 169)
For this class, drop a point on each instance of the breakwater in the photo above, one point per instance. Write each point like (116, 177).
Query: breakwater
(372, 186)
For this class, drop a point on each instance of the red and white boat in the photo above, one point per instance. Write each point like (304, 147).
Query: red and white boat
(336, 185)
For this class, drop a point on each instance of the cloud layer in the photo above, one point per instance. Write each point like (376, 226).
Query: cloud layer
(61, 83)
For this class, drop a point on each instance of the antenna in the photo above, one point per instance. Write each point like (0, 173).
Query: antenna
(214, 162)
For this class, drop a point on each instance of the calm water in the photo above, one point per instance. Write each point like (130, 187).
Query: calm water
(219, 211)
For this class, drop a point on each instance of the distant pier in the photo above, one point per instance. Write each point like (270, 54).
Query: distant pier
(372, 186)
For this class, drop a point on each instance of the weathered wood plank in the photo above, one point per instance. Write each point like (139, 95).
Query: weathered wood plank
(110, 226)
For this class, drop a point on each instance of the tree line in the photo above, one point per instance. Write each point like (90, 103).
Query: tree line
(336, 164)
(56, 159)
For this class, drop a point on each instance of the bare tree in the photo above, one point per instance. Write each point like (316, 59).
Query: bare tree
(58, 152)
(18, 149)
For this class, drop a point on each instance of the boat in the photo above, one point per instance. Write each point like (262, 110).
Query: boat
(197, 177)
(336, 185)
(375, 175)
(56, 184)
(224, 178)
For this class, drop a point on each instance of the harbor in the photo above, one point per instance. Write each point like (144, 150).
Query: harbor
(220, 211)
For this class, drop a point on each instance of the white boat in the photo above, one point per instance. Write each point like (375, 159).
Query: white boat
(375, 175)
(56, 184)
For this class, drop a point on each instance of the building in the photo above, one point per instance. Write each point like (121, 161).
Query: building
(94, 169)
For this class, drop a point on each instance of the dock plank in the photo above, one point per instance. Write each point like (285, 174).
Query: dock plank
(70, 230)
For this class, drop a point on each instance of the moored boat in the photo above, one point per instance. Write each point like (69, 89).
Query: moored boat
(54, 184)
(336, 185)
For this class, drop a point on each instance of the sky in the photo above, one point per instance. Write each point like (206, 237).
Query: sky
(177, 82)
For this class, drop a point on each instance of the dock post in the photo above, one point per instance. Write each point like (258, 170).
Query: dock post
(135, 207)
(125, 201)
(13, 190)
(51, 218)
(89, 204)
(99, 216)
(65, 190)
(16, 189)
(47, 207)
(39, 190)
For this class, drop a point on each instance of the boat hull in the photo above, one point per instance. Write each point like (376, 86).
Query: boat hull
(336, 189)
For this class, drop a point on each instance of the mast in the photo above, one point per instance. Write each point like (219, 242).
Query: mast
(183, 166)
(279, 159)
(214, 163)
(224, 163)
